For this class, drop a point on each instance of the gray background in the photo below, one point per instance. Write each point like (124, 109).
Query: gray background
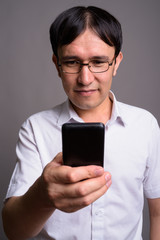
(29, 81)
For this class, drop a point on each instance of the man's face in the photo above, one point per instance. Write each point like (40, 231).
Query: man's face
(87, 90)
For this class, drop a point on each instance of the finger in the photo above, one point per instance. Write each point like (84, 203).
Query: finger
(83, 188)
(74, 204)
(58, 160)
(88, 186)
(48, 172)
(66, 174)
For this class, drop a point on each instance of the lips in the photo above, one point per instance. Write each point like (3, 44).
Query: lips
(85, 92)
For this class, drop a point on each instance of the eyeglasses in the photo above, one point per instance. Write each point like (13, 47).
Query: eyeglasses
(95, 66)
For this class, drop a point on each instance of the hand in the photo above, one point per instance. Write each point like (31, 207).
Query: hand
(70, 189)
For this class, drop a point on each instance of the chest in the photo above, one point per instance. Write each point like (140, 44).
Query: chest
(126, 154)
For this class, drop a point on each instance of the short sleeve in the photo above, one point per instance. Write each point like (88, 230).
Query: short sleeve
(28, 165)
(152, 178)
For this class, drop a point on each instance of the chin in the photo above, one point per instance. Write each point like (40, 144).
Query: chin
(84, 106)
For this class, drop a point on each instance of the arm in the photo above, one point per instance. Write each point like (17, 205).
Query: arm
(154, 211)
(25, 216)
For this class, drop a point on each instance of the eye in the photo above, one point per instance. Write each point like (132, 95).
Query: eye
(71, 63)
(97, 63)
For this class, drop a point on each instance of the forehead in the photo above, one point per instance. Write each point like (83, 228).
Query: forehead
(87, 45)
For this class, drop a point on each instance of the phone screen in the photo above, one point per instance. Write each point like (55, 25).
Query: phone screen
(83, 144)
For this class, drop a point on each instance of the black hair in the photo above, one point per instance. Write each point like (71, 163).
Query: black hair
(74, 21)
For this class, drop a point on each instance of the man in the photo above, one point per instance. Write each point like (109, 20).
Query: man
(47, 200)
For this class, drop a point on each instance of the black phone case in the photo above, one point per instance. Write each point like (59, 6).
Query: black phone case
(83, 144)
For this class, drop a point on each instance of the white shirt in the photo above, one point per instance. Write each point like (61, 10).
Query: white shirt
(132, 156)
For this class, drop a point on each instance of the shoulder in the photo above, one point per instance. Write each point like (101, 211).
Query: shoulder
(44, 118)
(136, 115)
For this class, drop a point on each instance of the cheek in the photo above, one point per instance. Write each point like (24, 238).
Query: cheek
(65, 86)
(68, 84)
(106, 80)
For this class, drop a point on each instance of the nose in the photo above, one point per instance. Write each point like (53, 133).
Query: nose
(85, 76)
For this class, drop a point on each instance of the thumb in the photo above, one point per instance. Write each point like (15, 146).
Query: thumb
(58, 160)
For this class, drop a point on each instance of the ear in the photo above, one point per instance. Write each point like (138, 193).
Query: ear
(118, 61)
(54, 59)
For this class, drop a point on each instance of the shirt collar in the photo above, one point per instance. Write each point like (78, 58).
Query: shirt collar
(67, 113)
(117, 115)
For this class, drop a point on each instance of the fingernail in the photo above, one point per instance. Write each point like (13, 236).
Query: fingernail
(107, 177)
(99, 171)
(108, 184)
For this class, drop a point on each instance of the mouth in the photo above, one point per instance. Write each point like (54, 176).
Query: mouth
(85, 92)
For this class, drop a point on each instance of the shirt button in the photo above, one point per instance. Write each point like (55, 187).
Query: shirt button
(99, 213)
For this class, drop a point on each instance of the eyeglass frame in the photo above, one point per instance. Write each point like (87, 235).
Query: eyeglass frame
(87, 64)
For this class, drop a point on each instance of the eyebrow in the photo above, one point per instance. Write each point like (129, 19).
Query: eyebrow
(101, 57)
(69, 58)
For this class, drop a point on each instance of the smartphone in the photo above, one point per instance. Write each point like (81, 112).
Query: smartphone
(83, 144)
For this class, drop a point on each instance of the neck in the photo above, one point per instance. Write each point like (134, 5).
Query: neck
(99, 114)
